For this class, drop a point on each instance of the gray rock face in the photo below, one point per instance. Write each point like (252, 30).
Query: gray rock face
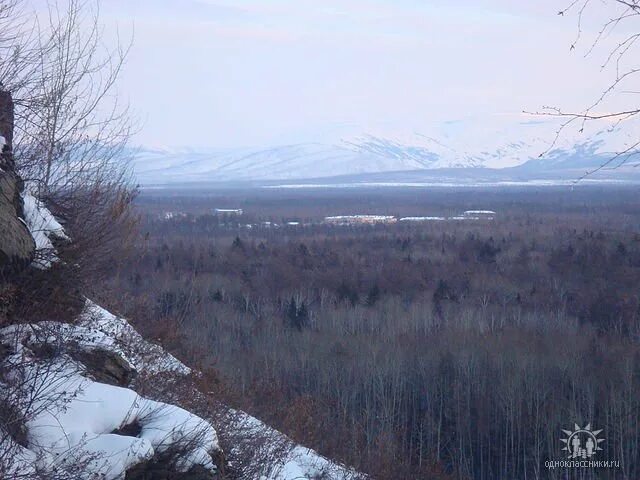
(6, 117)
(16, 244)
(104, 366)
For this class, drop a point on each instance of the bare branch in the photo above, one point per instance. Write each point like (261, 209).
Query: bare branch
(623, 12)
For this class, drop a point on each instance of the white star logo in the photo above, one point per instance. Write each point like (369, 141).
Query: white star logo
(582, 442)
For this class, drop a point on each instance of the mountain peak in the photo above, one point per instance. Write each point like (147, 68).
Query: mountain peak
(497, 142)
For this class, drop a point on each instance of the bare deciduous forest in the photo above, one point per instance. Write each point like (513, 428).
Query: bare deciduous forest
(450, 349)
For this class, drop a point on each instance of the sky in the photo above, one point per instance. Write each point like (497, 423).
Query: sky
(229, 73)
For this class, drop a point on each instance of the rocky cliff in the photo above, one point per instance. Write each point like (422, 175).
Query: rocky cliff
(17, 247)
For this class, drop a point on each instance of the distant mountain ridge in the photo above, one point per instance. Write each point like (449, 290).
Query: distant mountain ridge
(460, 148)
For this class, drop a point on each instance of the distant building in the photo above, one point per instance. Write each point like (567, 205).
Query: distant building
(422, 219)
(228, 211)
(359, 219)
(479, 214)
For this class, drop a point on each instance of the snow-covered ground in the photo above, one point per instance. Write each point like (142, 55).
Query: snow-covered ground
(535, 183)
(72, 420)
(99, 328)
(288, 461)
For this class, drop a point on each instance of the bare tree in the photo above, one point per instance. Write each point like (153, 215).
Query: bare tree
(71, 130)
(17, 55)
(616, 41)
(73, 127)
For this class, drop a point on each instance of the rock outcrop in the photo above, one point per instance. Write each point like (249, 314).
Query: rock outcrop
(17, 246)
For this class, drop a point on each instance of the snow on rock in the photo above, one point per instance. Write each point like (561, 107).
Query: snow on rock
(75, 421)
(116, 334)
(98, 329)
(78, 431)
(44, 228)
(83, 427)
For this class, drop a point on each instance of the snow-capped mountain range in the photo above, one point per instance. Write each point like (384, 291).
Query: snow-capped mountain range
(526, 147)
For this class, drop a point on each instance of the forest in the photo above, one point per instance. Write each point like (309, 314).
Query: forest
(425, 350)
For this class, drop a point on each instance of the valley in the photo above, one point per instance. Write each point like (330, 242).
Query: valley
(355, 330)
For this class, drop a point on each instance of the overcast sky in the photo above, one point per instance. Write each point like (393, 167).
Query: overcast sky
(218, 73)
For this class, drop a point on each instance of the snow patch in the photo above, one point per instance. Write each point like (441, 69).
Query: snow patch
(295, 462)
(44, 228)
(74, 420)
(82, 428)
(104, 329)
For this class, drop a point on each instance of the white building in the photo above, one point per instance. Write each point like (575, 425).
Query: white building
(478, 214)
(229, 211)
(359, 219)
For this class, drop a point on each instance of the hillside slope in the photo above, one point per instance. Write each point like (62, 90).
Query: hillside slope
(88, 419)
(522, 146)
(91, 398)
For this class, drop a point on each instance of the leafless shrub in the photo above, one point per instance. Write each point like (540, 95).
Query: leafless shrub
(52, 294)
(253, 450)
(171, 458)
(32, 382)
(71, 130)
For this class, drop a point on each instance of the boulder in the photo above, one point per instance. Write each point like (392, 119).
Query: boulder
(17, 246)
(104, 366)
